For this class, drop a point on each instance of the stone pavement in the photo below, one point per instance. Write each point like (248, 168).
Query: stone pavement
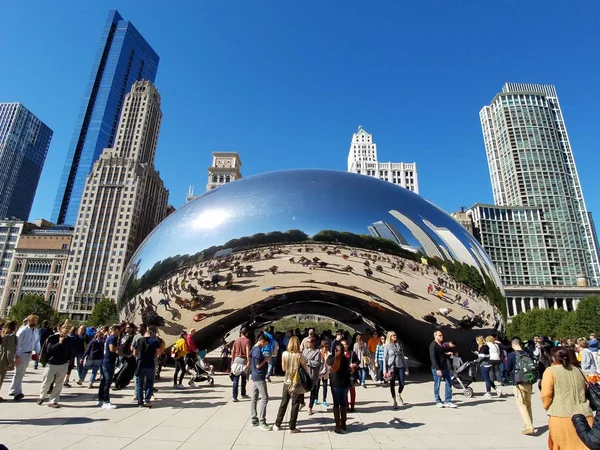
(205, 417)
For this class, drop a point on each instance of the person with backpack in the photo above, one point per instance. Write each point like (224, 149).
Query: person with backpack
(178, 352)
(524, 372)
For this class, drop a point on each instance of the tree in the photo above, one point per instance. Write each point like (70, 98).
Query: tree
(537, 322)
(32, 304)
(587, 316)
(104, 313)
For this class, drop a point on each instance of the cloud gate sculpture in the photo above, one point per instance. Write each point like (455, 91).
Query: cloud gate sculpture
(350, 247)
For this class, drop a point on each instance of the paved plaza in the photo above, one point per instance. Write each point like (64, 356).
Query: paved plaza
(205, 417)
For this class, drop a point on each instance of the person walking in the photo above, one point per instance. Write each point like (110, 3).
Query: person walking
(259, 367)
(240, 357)
(439, 369)
(314, 363)
(28, 342)
(59, 353)
(178, 353)
(145, 352)
(92, 358)
(111, 352)
(394, 363)
(339, 376)
(352, 367)
(563, 396)
(486, 368)
(593, 346)
(372, 344)
(79, 344)
(523, 371)
(291, 360)
(8, 348)
(361, 350)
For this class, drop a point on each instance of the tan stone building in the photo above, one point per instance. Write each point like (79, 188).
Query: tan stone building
(225, 169)
(123, 200)
(38, 265)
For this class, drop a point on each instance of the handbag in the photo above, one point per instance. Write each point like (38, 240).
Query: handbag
(295, 386)
(305, 379)
(238, 366)
(387, 376)
(366, 360)
(592, 393)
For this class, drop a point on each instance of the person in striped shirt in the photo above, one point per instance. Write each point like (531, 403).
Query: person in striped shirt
(379, 359)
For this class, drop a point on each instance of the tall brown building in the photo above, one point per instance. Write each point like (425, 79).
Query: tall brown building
(123, 200)
(38, 265)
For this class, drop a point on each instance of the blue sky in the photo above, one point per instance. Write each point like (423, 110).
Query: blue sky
(286, 83)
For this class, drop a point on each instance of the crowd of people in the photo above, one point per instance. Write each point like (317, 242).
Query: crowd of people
(315, 368)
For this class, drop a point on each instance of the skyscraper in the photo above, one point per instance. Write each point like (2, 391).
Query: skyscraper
(531, 165)
(124, 198)
(362, 159)
(24, 142)
(123, 58)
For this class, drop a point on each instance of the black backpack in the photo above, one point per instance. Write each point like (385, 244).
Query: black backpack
(525, 369)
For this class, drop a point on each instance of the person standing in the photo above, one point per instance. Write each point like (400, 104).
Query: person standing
(439, 369)
(28, 342)
(45, 332)
(339, 376)
(259, 370)
(59, 354)
(588, 361)
(145, 351)
(291, 360)
(372, 344)
(593, 346)
(379, 359)
(92, 358)
(487, 370)
(111, 352)
(314, 362)
(178, 353)
(8, 348)
(361, 351)
(393, 361)
(324, 374)
(563, 396)
(240, 355)
(518, 363)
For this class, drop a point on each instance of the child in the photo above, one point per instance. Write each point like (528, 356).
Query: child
(456, 361)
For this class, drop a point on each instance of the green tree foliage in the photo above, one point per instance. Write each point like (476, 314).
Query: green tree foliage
(537, 322)
(558, 323)
(32, 304)
(104, 313)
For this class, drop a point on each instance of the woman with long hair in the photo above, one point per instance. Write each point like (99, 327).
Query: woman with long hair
(314, 362)
(291, 360)
(92, 358)
(361, 350)
(353, 366)
(339, 376)
(8, 347)
(324, 374)
(485, 365)
(393, 361)
(564, 395)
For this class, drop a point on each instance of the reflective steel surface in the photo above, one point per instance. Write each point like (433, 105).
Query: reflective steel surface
(354, 248)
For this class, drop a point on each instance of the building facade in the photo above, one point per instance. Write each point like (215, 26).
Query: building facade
(123, 57)
(225, 169)
(464, 219)
(531, 165)
(124, 198)
(362, 159)
(24, 143)
(38, 266)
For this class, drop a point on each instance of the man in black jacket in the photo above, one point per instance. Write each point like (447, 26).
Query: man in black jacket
(439, 368)
(58, 354)
(45, 332)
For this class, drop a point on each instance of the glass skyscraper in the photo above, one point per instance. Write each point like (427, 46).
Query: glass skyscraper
(531, 165)
(24, 142)
(123, 58)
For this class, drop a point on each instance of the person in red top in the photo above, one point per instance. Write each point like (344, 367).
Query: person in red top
(240, 354)
(189, 341)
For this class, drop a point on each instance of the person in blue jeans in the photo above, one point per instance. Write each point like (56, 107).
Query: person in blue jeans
(439, 369)
(93, 357)
(146, 350)
(111, 352)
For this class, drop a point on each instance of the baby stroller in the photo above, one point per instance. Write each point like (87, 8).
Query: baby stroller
(200, 371)
(463, 377)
